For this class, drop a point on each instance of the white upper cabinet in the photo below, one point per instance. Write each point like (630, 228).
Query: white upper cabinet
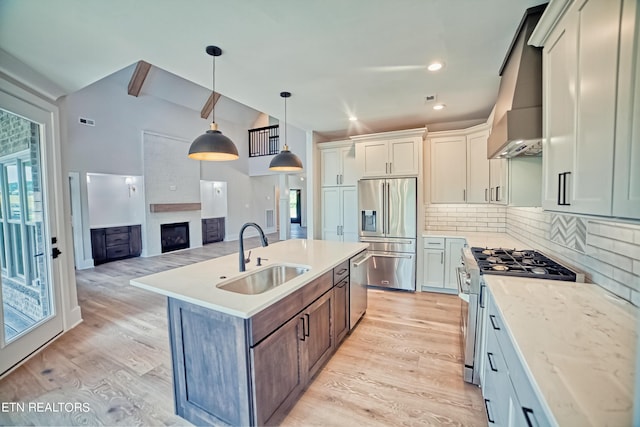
(449, 169)
(478, 168)
(626, 177)
(389, 157)
(338, 165)
(590, 87)
(460, 170)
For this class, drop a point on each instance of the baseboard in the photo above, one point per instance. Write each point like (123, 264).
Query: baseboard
(84, 264)
(72, 318)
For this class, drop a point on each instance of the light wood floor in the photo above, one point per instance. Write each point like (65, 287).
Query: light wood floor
(400, 366)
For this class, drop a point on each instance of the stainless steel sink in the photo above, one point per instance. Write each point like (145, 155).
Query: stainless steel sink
(263, 280)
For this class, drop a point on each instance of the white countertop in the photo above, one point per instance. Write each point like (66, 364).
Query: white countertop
(577, 340)
(196, 283)
(579, 343)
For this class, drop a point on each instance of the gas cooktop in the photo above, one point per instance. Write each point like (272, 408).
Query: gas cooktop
(521, 263)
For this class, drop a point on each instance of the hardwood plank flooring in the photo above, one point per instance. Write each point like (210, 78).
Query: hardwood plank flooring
(400, 366)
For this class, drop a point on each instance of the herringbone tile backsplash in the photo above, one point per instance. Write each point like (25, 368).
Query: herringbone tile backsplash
(607, 251)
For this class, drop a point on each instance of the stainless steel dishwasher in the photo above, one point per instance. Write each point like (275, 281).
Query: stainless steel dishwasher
(358, 287)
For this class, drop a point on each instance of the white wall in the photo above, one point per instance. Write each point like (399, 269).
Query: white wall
(113, 201)
(114, 144)
(213, 196)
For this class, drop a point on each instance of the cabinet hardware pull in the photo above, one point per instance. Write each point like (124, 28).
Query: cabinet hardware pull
(498, 193)
(441, 257)
(390, 167)
(386, 167)
(337, 179)
(303, 334)
(481, 296)
(528, 413)
(308, 323)
(562, 189)
(486, 407)
(559, 188)
(490, 357)
(464, 195)
(341, 179)
(485, 195)
(493, 322)
(491, 195)
(342, 271)
(342, 284)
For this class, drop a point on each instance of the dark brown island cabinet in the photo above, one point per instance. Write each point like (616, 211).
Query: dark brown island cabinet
(212, 230)
(113, 243)
(236, 371)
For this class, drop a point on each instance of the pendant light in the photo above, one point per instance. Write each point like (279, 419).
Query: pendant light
(213, 145)
(286, 161)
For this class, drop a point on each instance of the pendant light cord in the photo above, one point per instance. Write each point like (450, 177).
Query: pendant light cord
(285, 124)
(213, 92)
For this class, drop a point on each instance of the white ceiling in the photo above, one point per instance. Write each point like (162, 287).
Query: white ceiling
(337, 57)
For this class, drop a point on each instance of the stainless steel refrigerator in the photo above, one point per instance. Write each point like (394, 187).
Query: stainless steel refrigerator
(387, 221)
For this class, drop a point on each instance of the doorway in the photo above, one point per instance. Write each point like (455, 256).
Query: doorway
(29, 300)
(295, 209)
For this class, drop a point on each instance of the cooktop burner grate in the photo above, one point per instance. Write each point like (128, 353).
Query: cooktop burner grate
(521, 263)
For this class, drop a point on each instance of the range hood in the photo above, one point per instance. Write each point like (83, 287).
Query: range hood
(517, 123)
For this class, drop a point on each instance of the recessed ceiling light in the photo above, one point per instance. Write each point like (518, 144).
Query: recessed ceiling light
(438, 106)
(434, 66)
(353, 119)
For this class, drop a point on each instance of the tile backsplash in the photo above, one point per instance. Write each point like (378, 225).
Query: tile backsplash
(459, 217)
(606, 250)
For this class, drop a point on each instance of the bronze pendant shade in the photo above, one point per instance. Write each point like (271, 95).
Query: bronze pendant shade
(213, 145)
(285, 161)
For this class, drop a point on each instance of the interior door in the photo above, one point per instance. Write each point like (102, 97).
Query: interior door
(30, 300)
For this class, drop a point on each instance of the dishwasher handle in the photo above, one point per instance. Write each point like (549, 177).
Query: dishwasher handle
(361, 261)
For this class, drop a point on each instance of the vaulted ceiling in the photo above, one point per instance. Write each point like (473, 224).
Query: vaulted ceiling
(339, 58)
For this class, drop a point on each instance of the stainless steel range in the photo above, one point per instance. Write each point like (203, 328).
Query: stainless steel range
(507, 262)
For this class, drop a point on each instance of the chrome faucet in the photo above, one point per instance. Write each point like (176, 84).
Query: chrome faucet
(265, 242)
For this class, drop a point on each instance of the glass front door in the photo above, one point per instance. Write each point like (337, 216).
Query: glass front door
(28, 311)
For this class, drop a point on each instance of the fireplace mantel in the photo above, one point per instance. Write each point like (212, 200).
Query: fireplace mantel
(174, 207)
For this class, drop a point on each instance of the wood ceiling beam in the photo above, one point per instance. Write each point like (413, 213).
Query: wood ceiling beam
(208, 106)
(138, 77)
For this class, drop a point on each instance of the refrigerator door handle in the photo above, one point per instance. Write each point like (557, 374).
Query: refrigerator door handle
(388, 200)
(384, 208)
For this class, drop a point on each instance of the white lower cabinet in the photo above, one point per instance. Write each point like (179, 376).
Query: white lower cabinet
(441, 256)
(509, 396)
(340, 214)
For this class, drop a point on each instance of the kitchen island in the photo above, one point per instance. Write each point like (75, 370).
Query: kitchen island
(244, 359)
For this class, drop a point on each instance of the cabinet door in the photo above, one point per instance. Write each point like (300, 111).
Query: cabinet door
(597, 73)
(341, 309)
(348, 165)
(433, 269)
(135, 240)
(498, 171)
(349, 214)
(626, 189)
(478, 168)
(319, 343)
(331, 213)
(559, 91)
(448, 169)
(330, 167)
(98, 245)
(404, 157)
(452, 257)
(277, 374)
(373, 157)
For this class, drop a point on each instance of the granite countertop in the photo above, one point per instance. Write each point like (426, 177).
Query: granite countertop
(578, 341)
(196, 283)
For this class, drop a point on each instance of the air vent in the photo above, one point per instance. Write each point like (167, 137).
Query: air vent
(86, 122)
(429, 98)
(269, 218)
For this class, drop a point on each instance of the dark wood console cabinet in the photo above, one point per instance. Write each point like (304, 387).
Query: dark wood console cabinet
(113, 243)
(212, 230)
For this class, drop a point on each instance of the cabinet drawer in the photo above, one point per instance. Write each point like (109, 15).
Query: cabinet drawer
(117, 239)
(118, 251)
(340, 272)
(433, 242)
(116, 230)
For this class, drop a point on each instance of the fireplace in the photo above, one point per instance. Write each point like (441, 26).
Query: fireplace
(174, 236)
